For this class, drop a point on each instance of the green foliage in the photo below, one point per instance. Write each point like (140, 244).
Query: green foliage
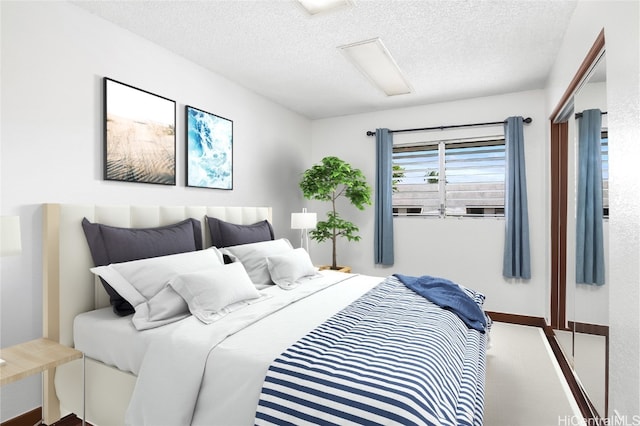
(333, 178)
(327, 181)
(432, 173)
(397, 176)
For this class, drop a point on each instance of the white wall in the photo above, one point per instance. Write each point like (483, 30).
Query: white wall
(54, 56)
(468, 251)
(620, 20)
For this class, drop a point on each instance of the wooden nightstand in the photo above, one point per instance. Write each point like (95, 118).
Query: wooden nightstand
(35, 356)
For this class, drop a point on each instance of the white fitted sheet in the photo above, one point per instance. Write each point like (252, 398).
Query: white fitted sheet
(113, 340)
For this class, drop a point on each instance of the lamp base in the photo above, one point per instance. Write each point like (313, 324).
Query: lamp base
(304, 239)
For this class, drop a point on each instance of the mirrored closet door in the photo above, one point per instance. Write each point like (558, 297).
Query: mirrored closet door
(579, 309)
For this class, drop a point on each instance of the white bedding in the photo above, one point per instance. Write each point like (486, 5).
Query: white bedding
(236, 366)
(113, 340)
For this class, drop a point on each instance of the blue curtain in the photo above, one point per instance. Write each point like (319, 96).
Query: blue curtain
(589, 239)
(383, 245)
(517, 259)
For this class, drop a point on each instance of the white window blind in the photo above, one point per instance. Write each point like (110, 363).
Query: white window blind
(450, 178)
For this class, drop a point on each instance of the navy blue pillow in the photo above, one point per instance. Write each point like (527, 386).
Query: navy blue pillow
(226, 234)
(110, 244)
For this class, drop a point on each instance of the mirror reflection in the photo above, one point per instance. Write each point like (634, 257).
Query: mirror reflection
(585, 338)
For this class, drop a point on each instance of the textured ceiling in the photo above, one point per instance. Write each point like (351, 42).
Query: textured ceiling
(448, 50)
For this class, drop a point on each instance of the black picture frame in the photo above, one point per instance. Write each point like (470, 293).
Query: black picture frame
(139, 135)
(209, 150)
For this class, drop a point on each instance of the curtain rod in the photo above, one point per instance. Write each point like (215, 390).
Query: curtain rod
(579, 114)
(454, 126)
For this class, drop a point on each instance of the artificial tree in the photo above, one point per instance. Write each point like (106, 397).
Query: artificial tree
(329, 180)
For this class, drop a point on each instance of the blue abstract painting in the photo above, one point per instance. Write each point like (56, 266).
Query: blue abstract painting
(209, 150)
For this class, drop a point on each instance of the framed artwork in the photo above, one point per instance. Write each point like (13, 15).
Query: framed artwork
(139, 135)
(209, 150)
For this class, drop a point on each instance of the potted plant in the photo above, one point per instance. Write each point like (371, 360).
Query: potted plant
(329, 180)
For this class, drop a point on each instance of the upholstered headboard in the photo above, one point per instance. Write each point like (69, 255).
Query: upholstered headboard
(69, 287)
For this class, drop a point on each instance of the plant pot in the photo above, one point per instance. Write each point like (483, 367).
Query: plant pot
(345, 269)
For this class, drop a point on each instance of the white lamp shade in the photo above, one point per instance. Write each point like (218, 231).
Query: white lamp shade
(10, 241)
(303, 220)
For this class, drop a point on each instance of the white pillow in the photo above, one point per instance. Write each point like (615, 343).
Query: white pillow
(286, 269)
(213, 293)
(143, 283)
(254, 258)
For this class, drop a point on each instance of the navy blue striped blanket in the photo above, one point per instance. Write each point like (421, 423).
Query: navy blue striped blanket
(392, 357)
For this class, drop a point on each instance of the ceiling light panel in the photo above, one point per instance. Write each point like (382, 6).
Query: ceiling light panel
(319, 6)
(373, 59)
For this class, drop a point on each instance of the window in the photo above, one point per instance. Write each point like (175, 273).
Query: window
(449, 178)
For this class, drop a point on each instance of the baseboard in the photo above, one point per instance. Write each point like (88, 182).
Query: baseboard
(517, 319)
(586, 407)
(586, 328)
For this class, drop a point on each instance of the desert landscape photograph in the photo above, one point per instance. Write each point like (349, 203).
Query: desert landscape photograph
(140, 137)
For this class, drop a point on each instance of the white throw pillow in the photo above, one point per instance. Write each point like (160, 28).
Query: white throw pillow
(213, 293)
(143, 283)
(254, 258)
(286, 269)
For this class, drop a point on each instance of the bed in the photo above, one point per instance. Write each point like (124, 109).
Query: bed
(303, 350)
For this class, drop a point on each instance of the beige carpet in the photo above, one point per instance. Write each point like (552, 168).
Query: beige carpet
(524, 384)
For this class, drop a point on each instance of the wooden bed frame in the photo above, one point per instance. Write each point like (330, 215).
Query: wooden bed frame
(69, 288)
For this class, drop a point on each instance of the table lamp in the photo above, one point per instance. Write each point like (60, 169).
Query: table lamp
(304, 221)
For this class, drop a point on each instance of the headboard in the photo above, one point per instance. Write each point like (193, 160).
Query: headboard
(69, 287)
